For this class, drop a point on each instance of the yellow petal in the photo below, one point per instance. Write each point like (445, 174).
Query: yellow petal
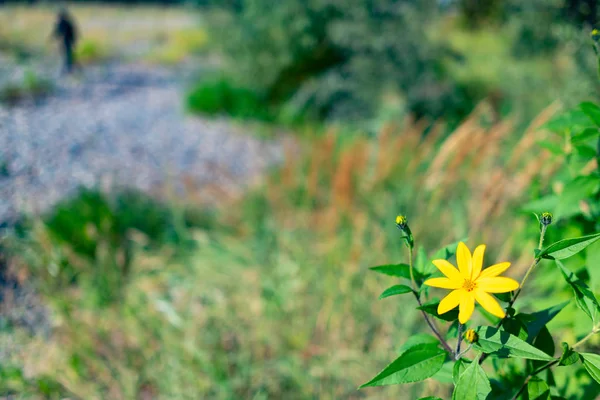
(498, 284)
(494, 270)
(449, 302)
(466, 306)
(463, 259)
(449, 270)
(443, 283)
(489, 303)
(477, 261)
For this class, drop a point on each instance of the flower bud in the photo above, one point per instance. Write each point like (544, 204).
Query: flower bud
(595, 35)
(471, 336)
(546, 218)
(401, 221)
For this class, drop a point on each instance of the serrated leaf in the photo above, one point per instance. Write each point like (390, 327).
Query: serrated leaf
(416, 364)
(492, 340)
(591, 362)
(569, 355)
(585, 135)
(537, 320)
(459, 368)
(592, 111)
(395, 290)
(584, 298)
(473, 383)
(397, 270)
(431, 307)
(568, 247)
(537, 389)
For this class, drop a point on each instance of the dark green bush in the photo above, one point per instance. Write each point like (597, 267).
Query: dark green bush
(338, 60)
(221, 97)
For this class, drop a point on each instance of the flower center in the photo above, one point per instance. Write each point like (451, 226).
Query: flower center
(469, 285)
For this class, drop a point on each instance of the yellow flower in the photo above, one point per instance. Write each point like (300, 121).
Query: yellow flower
(470, 283)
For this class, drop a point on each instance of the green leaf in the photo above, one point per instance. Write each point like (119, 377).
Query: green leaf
(459, 367)
(568, 247)
(492, 340)
(573, 193)
(416, 364)
(398, 270)
(572, 120)
(537, 389)
(447, 251)
(473, 383)
(444, 375)
(544, 342)
(536, 321)
(585, 151)
(584, 298)
(585, 135)
(569, 355)
(591, 362)
(543, 204)
(592, 111)
(552, 147)
(419, 338)
(431, 307)
(394, 290)
(516, 327)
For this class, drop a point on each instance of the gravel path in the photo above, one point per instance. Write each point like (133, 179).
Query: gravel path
(119, 125)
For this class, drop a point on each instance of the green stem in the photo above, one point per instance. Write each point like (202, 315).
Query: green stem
(535, 262)
(459, 341)
(418, 297)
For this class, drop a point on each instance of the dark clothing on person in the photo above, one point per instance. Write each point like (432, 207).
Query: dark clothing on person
(65, 31)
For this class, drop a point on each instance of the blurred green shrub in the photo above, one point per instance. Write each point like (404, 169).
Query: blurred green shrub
(339, 60)
(90, 51)
(215, 96)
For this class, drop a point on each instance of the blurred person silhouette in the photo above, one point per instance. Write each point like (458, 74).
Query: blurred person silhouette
(66, 32)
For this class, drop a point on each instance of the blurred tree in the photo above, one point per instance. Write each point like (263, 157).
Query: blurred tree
(476, 13)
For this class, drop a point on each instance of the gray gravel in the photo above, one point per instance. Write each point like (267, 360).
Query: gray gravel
(119, 125)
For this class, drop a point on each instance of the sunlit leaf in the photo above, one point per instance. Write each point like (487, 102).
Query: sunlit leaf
(537, 389)
(459, 368)
(578, 189)
(584, 298)
(591, 362)
(536, 321)
(592, 111)
(585, 135)
(473, 383)
(416, 364)
(568, 247)
(398, 270)
(503, 344)
(395, 290)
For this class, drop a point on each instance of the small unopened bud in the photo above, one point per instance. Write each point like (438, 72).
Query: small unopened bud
(401, 221)
(402, 224)
(595, 35)
(546, 218)
(471, 336)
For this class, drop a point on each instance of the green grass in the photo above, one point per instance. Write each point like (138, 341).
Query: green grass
(273, 298)
(31, 87)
